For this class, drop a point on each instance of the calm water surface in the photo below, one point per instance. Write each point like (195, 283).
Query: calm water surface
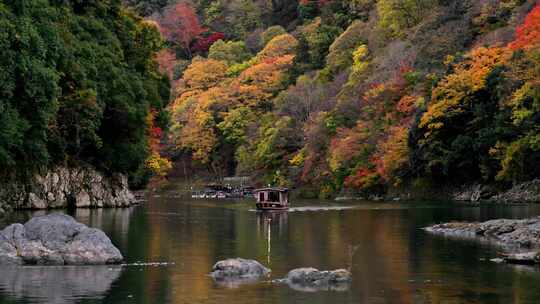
(392, 260)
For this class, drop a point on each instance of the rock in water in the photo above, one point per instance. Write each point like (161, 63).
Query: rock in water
(233, 272)
(524, 233)
(56, 239)
(524, 258)
(312, 279)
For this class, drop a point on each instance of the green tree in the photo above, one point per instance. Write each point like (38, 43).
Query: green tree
(398, 15)
(272, 32)
(230, 51)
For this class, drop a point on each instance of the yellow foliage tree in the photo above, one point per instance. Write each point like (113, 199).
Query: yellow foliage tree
(279, 46)
(203, 74)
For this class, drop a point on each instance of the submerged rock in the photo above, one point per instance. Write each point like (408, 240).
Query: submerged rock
(234, 272)
(312, 279)
(56, 239)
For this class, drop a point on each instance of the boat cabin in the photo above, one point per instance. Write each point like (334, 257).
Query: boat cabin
(272, 198)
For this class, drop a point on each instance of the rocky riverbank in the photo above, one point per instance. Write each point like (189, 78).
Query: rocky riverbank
(62, 187)
(527, 192)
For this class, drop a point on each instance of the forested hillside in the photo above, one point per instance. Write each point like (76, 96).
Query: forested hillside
(361, 95)
(79, 85)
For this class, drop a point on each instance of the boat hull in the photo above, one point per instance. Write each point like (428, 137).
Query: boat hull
(271, 207)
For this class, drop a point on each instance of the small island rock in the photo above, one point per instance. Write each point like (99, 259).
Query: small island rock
(239, 269)
(312, 279)
(56, 239)
(523, 233)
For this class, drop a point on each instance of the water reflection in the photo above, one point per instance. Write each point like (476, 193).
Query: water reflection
(266, 221)
(57, 285)
(340, 287)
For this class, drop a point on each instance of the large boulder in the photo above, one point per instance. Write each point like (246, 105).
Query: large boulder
(233, 272)
(312, 279)
(56, 239)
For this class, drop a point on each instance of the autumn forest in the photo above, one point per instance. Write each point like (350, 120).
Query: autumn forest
(327, 97)
(359, 96)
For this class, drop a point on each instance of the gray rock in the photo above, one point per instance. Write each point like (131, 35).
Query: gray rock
(513, 235)
(528, 192)
(312, 279)
(521, 233)
(8, 252)
(237, 271)
(473, 193)
(56, 239)
(523, 258)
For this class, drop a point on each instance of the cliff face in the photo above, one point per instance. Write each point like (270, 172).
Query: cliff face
(67, 187)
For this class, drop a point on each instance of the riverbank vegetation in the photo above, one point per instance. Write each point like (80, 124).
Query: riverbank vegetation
(360, 95)
(79, 85)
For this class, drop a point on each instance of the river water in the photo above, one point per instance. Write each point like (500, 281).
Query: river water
(171, 244)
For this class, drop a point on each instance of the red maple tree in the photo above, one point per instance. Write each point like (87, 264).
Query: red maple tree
(203, 44)
(180, 25)
(528, 34)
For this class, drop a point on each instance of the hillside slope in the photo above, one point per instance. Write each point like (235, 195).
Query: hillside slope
(363, 96)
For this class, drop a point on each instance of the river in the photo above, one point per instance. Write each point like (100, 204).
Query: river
(171, 244)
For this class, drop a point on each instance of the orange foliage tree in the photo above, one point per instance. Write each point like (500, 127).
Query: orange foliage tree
(453, 94)
(209, 93)
(376, 149)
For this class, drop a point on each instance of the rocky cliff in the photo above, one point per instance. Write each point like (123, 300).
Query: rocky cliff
(62, 187)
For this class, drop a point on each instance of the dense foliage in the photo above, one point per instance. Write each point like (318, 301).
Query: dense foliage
(77, 82)
(362, 95)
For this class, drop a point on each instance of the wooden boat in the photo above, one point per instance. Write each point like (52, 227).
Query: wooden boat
(272, 199)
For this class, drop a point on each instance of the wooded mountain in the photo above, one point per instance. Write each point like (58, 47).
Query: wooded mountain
(78, 83)
(361, 95)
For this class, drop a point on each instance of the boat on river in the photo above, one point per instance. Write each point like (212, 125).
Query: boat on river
(272, 199)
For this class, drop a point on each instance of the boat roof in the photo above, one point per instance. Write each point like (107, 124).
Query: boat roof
(272, 189)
